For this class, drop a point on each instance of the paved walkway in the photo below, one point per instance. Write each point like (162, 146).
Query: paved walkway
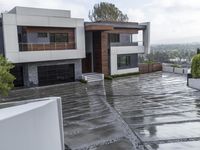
(159, 109)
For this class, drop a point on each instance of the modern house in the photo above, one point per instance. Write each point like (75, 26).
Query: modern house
(45, 45)
(49, 47)
(112, 48)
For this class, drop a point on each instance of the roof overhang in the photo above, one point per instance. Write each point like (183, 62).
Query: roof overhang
(98, 27)
(105, 26)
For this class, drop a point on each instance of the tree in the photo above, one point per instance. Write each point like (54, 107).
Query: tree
(107, 12)
(6, 78)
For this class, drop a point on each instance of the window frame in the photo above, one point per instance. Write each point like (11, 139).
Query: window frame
(42, 34)
(127, 61)
(114, 38)
(55, 39)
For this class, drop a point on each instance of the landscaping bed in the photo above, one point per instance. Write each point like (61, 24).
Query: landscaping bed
(149, 67)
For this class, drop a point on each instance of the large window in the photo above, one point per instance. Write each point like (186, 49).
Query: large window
(114, 38)
(42, 35)
(58, 37)
(127, 61)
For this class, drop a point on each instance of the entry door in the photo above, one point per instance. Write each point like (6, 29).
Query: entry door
(55, 74)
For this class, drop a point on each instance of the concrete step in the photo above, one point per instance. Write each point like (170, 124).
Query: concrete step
(93, 77)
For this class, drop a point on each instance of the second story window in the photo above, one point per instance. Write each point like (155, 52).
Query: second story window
(42, 35)
(58, 37)
(114, 38)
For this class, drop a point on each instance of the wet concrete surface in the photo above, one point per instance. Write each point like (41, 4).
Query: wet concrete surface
(89, 121)
(157, 108)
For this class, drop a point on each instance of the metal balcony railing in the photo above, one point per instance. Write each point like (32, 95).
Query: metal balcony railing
(138, 43)
(46, 46)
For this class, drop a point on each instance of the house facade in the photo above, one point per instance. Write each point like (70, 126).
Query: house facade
(49, 47)
(45, 45)
(112, 48)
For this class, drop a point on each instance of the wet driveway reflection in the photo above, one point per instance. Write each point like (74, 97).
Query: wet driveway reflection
(159, 108)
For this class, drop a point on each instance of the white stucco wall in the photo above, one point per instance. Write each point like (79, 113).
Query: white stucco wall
(11, 21)
(116, 50)
(168, 68)
(41, 12)
(146, 37)
(194, 83)
(32, 126)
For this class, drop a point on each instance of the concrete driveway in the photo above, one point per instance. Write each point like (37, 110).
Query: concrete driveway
(159, 108)
(155, 110)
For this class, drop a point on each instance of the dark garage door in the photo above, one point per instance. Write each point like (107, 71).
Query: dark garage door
(55, 74)
(17, 71)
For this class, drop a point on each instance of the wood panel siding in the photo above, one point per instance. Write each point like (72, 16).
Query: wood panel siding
(100, 55)
(46, 47)
(69, 44)
(104, 53)
(98, 28)
(131, 31)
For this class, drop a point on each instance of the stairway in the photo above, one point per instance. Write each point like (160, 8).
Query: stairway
(93, 77)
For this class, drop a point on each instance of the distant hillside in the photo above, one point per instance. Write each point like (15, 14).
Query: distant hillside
(175, 47)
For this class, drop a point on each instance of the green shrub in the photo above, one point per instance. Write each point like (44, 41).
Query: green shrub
(108, 78)
(195, 69)
(83, 81)
(126, 74)
(6, 78)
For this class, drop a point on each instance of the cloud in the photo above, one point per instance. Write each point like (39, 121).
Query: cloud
(170, 19)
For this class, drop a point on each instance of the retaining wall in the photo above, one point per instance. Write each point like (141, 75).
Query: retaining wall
(169, 68)
(148, 68)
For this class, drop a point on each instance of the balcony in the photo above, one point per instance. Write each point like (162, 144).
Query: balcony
(47, 46)
(127, 48)
(138, 43)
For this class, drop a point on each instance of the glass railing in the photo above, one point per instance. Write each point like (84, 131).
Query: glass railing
(138, 43)
(46, 46)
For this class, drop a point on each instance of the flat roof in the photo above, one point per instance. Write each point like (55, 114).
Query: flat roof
(128, 25)
(31, 11)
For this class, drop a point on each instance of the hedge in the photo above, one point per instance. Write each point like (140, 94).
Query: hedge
(195, 69)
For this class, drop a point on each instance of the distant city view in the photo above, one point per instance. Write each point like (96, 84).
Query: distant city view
(171, 53)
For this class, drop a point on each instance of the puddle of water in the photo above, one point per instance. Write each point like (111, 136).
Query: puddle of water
(192, 145)
(169, 131)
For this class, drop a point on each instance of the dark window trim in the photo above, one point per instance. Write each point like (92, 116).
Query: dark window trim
(130, 61)
(42, 34)
(114, 37)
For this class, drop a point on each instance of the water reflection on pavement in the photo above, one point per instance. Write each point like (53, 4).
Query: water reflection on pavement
(159, 108)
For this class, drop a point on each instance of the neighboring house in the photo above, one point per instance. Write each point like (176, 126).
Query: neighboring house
(45, 45)
(112, 47)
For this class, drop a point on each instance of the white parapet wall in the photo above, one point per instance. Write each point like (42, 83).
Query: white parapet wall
(194, 83)
(169, 68)
(32, 125)
(116, 50)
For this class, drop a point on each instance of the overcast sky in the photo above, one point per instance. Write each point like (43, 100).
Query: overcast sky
(172, 21)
